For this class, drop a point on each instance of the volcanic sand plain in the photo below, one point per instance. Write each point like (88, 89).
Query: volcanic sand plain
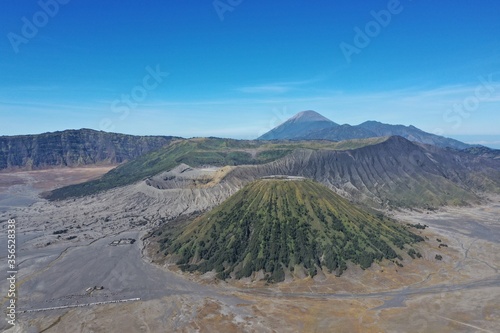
(58, 268)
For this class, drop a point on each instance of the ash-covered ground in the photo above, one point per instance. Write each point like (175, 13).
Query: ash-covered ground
(65, 249)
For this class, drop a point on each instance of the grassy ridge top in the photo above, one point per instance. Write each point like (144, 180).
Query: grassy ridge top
(197, 152)
(324, 144)
(283, 225)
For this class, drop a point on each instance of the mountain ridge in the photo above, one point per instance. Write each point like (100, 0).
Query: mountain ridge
(394, 172)
(72, 148)
(322, 130)
(379, 172)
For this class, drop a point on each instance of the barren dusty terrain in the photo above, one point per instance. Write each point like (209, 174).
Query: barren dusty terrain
(460, 293)
(21, 188)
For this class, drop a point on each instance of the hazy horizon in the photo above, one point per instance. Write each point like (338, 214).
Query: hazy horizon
(488, 141)
(239, 70)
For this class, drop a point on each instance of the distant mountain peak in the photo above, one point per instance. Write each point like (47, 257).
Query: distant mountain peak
(372, 122)
(301, 124)
(309, 115)
(310, 125)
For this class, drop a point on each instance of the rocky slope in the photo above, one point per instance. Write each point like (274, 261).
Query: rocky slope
(382, 172)
(393, 173)
(74, 148)
(194, 152)
(482, 151)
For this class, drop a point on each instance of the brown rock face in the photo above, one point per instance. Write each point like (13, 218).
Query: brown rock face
(74, 148)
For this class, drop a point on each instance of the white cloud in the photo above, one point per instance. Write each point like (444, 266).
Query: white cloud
(279, 87)
(265, 89)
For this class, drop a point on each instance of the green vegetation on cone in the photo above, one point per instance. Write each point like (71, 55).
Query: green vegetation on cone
(278, 225)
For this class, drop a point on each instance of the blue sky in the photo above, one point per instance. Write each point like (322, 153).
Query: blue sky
(238, 68)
